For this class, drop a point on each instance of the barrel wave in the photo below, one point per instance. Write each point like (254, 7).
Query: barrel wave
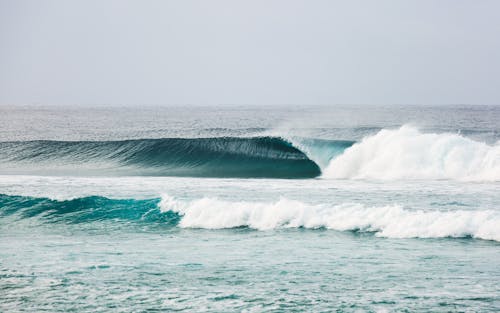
(269, 157)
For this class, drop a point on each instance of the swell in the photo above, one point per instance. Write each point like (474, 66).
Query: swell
(211, 213)
(198, 157)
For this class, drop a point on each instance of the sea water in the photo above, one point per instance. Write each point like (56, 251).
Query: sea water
(250, 208)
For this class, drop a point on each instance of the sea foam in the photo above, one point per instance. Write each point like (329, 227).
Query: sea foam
(407, 153)
(391, 221)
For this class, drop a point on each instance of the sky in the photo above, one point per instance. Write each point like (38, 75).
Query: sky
(99, 52)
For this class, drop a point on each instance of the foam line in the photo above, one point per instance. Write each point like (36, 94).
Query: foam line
(385, 221)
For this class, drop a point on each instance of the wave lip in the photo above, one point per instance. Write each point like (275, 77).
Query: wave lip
(406, 153)
(269, 157)
(385, 221)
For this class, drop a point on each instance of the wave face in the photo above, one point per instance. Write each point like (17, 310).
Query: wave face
(199, 157)
(406, 153)
(212, 213)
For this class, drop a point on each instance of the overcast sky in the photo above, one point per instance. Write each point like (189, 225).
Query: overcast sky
(249, 52)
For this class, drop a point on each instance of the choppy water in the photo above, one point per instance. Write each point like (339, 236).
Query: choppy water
(347, 209)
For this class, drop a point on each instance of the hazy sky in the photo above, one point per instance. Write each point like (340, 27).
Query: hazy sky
(249, 52)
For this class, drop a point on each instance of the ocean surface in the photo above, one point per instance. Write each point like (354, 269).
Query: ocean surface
(250, 209)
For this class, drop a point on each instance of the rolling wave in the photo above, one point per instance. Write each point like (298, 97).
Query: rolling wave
(211, 213)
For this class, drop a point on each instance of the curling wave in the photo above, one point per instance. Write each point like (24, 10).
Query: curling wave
(198, 157)
(212, 213)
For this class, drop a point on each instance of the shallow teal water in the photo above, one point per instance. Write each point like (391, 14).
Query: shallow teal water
(95, 234)
(240, 269)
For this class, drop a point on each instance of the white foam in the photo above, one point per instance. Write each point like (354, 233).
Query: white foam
(385, 221)
(406, 153)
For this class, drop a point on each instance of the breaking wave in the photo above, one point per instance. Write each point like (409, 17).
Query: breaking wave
(406, 153)
(211, 213)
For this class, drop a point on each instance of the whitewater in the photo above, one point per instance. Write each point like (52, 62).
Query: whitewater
(406, 153)
(229, 208)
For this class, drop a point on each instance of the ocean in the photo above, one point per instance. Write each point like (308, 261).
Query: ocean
(234, 208)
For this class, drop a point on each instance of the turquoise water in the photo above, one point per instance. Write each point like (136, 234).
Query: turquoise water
(398, 209)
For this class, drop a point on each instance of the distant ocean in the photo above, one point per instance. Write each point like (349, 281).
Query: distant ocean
(250, 209)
